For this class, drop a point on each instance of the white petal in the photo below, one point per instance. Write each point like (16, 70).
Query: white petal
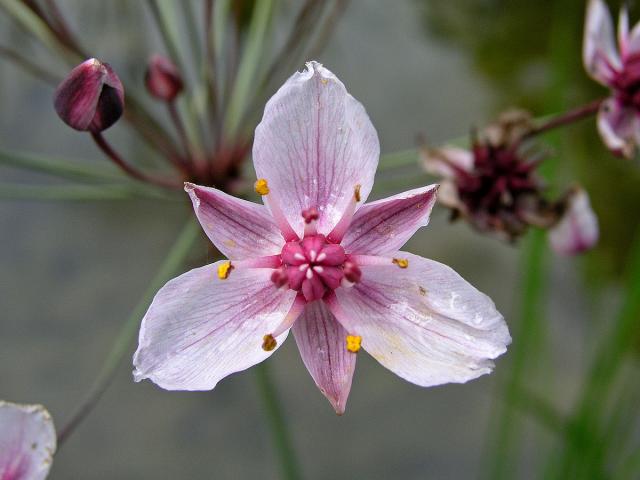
(425, 323)
(599, 52)
(315, 143)
(577, 231)
(27, 442)
(199, 329)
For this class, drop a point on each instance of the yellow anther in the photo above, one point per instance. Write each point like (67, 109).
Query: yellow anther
(356, 192)
(353, 343)
(401, 262)
(224, 269)
(268, 343)
(261, 187)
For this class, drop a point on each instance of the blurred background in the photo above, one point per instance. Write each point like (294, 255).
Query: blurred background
(73, 271)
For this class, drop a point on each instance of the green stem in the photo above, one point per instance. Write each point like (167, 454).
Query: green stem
(120, 348)
(78, 192)
(275, 416)
(525, 334)
(583, 436)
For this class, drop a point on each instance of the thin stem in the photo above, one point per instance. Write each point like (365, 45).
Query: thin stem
(28, 66)
(275, 416)
(567, 118)
(182, 134)
(604, 371)
(120, 348)
(128, 169)
(524, 334)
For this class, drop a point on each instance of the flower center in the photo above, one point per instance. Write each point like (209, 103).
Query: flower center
(627, 82)
(314, 267)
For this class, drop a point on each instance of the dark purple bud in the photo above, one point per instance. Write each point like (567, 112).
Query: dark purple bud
(91, 98)
(163, 80)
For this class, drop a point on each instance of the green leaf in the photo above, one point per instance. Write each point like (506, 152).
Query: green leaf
(75, 170)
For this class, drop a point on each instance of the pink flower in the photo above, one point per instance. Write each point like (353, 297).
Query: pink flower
(317, 260)
(27, 442)
(618, 69)
(577, 230)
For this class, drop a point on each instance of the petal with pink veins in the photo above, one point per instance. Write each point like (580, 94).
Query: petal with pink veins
(315, 143)
(322, 344)
(238, 228)
(199, 329)
(27, 442)
(577, 231)
(385, 225)
(425, 322)
(599, 52)
(619, 127)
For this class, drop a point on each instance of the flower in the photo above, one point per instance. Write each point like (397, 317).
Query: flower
(494, 186)
(27, 442)
(577, 229)
(618, 69)
(162, 78)
(317, 260)
(91, 98)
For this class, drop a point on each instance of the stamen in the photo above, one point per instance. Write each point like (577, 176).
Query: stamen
(401, 262)
(352, 273)
(269, 343)
(280, 277)
(353, 343)
(312, 255)
(318, 269)
(262, 188)
(293, 314)
(341, 227)
(224, 269)
(310, 216)
(321, 257)
(309, 273)
(299, 256)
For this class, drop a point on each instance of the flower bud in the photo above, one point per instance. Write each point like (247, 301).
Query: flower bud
(91, 98)
(577, 230)
(163, 80)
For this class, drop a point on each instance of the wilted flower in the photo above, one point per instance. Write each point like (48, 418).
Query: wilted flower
(27, 442)
(618, 69)
(494, 186)
(577, 229)
(91, 98)
(162, 78)
(314, 259)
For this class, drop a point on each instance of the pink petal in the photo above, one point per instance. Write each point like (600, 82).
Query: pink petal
(577, 230)
(27, 442)
(425, 323)
(315, 143)
(322, 344)
(599, 51)
(446, 161)
(239, 229)
(385, 225)
(623, 31)
(199, 329)
(619, 127)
